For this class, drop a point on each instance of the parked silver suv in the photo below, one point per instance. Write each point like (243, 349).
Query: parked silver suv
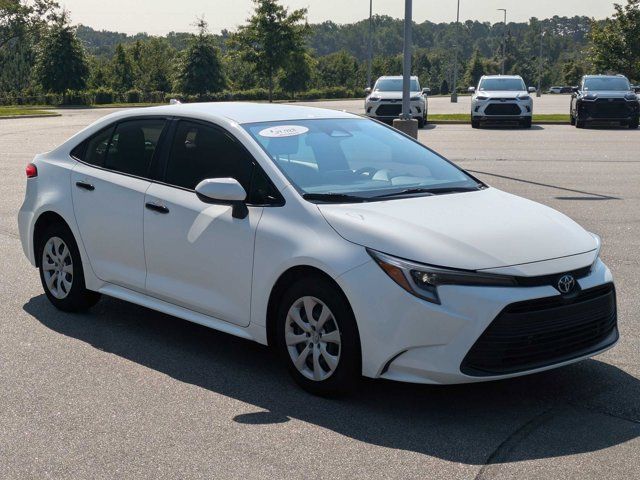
(384, 101)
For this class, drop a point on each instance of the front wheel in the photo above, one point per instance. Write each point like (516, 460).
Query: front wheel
(475, 123)
(61, 270)
(526, 123)
(318, 338)
(421, 122)
(633, 124)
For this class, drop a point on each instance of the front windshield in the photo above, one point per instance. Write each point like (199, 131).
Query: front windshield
(355, 157)
(395, 85)
(502, 85)
(599, 84)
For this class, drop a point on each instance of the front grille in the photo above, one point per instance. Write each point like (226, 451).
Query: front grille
(386, 110)
(606, 108)
(502, 109)
(542, 332)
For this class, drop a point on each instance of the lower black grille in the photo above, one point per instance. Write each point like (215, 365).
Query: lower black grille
(542, 332)
(609, 108)
(502, 109)
(387, 110)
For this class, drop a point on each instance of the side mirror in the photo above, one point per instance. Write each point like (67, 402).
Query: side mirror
(367, 91)
(224, 191)
(636, 88)
(471, 90)
(575, 89)
(532, 89)
(426, 90)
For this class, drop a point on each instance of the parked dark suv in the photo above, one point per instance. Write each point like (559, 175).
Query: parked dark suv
(606, 98)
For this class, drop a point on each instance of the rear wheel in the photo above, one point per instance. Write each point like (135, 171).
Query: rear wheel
(61, 270)
(421, 122)
(318, 338)
(633, 124)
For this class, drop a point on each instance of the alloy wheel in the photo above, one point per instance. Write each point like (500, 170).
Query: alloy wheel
(313, 338)
(57, 266)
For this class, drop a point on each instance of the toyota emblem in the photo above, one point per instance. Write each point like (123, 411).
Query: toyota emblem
(566, 283)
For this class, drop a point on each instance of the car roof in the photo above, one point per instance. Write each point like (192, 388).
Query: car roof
(503, 76)
(395, 77)
(238, 112)
(618, 75)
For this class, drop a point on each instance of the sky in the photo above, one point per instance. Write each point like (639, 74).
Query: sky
(158, 17)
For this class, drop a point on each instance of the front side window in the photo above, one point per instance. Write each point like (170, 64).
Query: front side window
(200, 151)
(133, 145)
(395, 85)
(355, 157)
(612, 84)
(502, 85)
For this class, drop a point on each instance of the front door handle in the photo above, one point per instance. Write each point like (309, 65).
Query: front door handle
(85, 186)
(156, 207)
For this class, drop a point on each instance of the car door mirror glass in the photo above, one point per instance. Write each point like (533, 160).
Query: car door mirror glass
(532, 89)
(426, 90)
(367, 91)
(471, 89)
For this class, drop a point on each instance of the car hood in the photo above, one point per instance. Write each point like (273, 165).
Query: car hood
(501, 93)
(474, 230)
(392, 95)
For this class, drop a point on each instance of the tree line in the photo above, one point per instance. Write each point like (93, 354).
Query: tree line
(277, 54)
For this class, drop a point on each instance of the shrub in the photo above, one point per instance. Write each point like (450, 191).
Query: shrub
(133, 96)
(103, 96)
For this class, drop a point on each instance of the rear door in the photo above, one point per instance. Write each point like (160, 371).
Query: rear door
(108, 187)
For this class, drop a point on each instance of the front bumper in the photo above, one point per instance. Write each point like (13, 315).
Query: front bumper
(388, 110)
(407, 339)
(501, 110)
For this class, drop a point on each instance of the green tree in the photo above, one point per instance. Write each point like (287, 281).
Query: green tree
(270, 38)
(20, 18)
(61, 63)
(296, 75)
(155, 65)
(337, 69)
(615, 43)
(200, 70)
(572, 72)
(122, 72)
(475, 70)
(444, 87)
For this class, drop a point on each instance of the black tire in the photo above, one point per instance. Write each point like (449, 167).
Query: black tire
(78, 298)
(421, 122)
(633, 124)
(580, 123)
(526, 123)
(572, 120)
(475, 123)
(346, 375)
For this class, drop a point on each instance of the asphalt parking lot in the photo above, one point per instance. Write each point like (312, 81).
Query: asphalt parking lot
(125, 392)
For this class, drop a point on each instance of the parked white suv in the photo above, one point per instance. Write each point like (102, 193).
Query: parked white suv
(500, 98)
(344, 244)
(384, 101)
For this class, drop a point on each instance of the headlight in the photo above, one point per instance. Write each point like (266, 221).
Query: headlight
(631, 97)
(423, 280)
(598, 248)
(374, 99)
(482, 98)
(590, 97)
(524, 98)
(414, 99)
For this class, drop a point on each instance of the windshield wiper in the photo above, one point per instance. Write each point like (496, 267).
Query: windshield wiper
(428, 191)
(333, 197)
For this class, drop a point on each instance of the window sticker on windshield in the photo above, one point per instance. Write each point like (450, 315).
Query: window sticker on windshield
(283, 131)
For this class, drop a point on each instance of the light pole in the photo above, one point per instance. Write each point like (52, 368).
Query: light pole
(504, 38)
(454, 93)
(370, 52)
(539, 91)
(406, 71)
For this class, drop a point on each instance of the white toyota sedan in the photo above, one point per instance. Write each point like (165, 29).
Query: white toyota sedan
(348, 246)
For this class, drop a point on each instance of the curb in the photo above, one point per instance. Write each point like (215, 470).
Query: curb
(13, 117)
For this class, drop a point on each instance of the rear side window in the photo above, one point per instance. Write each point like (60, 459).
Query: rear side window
(133, 145)
(200, 152)
(94, 150)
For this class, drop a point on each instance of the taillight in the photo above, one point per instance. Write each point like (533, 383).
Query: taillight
(32, 170)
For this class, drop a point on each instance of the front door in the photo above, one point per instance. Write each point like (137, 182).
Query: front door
(198, 256)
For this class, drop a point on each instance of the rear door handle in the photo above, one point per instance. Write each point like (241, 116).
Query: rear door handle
(85, 186)
(157, 207)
